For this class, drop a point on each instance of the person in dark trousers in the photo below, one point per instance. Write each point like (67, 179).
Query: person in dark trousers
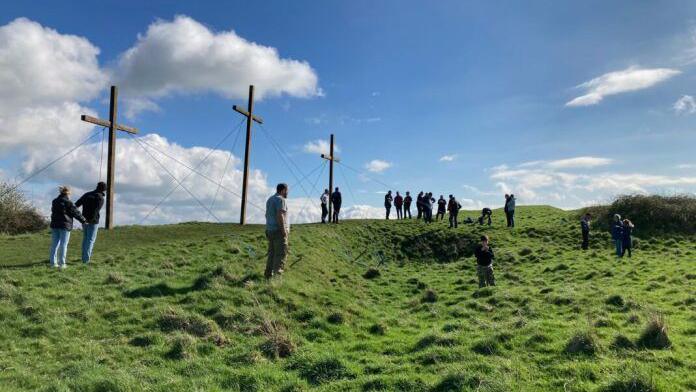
(91, 203)
(336, 202)
(627, 240)
(585, 228)
(399, 204)
(63, 211)
(441, 208)
(407, 205)
(388, 199)
(324, 205)
(428, 202)
(419, 205)
(484, 263)
(510, 210)
(453, 208)
(486, 213)
(277, 231)
(617, 230)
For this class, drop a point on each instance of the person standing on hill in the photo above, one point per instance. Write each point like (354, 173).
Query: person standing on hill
(484, 263)
(336, 202)
(505, 209)
(91, 203)
(407, 205)
(441, 208)
(399, 204)
(419, 205)
(277, 231)
(388, 199)
(324, 205)
(626, 239)
(510, 210)
(63, 211)
(585, 228)
(617, 230)
(453, 207)
(428, 207)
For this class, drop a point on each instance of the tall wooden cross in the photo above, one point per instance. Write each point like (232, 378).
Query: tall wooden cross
(331, 158)
(250, 117)
(111, 158)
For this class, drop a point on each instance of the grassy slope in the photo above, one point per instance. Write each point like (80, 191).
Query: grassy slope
(183, 307)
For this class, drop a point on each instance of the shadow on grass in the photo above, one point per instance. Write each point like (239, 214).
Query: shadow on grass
(159, 290)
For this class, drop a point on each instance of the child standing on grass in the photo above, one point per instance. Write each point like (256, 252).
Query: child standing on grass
(627, 241)
(484, 260)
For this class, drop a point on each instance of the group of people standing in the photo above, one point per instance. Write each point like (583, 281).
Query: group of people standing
(424, 206)
(621, 234)
(335, 200)
(63, 214)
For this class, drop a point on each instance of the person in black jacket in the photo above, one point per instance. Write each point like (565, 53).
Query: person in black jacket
(419, 205)
(585, 228)
(91, 203)
(484, 263)
(388, 199)
(62, 213)
(336, 202)
(407, 205)
(441, 208)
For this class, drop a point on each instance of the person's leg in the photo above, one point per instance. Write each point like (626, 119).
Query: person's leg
(269, 261)
(490, 278)
(55, 241)
(629, 251)
(280, 254)
(618, 245)
(388, 211)
(512, 218)
(63, 247)
(585, 240)
(481, 276)
(88, 239)
(456, 219)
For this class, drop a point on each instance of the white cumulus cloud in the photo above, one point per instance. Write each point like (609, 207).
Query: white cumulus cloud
(319, 146)
(685, 105)
(184, 56)
(448, 158)
(630, 79)
(377, 165)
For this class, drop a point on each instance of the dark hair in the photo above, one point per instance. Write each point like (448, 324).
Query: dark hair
(101, 186)
(281, 187)
(484, 238)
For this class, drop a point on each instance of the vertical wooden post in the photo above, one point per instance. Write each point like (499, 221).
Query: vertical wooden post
(111, 159)
(331, 163)
(247, 148)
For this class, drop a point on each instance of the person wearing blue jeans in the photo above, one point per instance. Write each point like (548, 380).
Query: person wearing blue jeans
(91, 203)
(63, 211)
(617, 233)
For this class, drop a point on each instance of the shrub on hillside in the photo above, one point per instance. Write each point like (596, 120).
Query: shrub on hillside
(654, 336)
(650, 214)
(17, 216)
(582, 343)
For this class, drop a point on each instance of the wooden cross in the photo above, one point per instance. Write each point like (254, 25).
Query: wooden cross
(331, 158)
(250, 116)
(111, 157)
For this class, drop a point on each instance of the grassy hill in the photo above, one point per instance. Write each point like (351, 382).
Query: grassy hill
(364, 306)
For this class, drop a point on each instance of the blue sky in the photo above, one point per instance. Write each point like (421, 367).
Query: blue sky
(470, 98)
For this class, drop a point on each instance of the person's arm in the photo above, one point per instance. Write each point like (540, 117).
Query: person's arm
(80, 201)
(72, 210)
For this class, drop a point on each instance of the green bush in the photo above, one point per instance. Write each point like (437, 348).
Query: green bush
(17, 216)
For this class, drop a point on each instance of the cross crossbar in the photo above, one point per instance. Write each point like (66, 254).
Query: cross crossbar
(105, 123)
(246, 114)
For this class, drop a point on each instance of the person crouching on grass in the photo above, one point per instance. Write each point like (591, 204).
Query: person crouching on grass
(484, 260)
(277, 231)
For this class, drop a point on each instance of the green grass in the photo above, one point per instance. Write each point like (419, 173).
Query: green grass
(185, 307)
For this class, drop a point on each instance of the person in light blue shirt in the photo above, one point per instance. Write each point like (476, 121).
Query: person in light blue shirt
(277, 231)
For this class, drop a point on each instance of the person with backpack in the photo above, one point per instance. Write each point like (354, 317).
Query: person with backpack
(484, 263)
(627, 240)
(91, 203)
(399, 204)
(441, 208)
(453, 207)
(63, 211)
(419, 205)
(617, 231)
(407, 205)
(324, 205)
(585, 229)
(336, 201)
(388, 199)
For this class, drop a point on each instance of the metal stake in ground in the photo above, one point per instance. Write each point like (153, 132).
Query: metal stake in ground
(331, 158)
(249, 114)
(111, 156)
